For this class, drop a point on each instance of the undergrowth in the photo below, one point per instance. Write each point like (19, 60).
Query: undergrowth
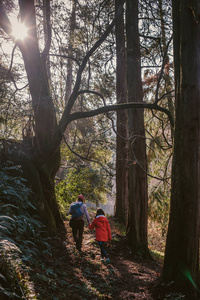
(20, 231)
(156, 240)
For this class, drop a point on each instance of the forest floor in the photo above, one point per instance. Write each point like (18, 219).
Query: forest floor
(64, 273)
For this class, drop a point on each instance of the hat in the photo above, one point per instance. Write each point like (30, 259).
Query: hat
(81, 197)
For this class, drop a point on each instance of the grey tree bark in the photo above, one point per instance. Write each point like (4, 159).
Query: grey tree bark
(121, 211)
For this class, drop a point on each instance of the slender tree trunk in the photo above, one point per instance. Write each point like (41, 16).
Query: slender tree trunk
(181, 264)
(70, 52)
(138, 193)
(69, 79)
(121, 211)
(47, 35)
(168, 80)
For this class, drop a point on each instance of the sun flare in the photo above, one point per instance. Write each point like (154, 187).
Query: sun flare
(19, 30)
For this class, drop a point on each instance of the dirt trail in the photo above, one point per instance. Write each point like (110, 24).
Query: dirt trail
(66, 274)
(125, 277)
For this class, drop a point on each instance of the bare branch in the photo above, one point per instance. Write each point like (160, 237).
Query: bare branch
(94, 93)
(156, 141)
(166, 95)
(115, 107)
(161, 71)
(86, 158)
(108, 116)
(4, 21)
(64, 120)
(12, 57)
(46, 5)
(65, 56)
(138, 163)
(163, 131)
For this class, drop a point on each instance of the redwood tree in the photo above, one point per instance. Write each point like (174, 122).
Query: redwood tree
(181, 263)
(138, 190)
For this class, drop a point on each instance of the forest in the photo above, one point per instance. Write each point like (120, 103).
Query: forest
(100, 98)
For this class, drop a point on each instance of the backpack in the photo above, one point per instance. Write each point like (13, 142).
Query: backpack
(76, 210)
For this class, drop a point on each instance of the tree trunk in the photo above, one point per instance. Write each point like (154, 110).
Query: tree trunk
(167, 78)
(181, 263)
(70, 52)
(69, 79)
(121, 211)
(45, 121)
(138, 193)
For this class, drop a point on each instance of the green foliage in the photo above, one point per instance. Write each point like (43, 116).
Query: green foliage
(87, 163)
(159, 132)
(157, 255)
(15, 111)
(19, 231)
(159, 204)
(84, 180)
(13, 188)
(159, 166)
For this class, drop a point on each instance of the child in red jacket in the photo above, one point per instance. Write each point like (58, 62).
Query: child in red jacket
(103, 232)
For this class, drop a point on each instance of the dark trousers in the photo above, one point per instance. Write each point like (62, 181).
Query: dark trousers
(103, 251)
(77, 226)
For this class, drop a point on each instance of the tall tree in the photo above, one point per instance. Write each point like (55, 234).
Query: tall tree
(122, 123)
(138, 190)
(181, 263)
(44, 115)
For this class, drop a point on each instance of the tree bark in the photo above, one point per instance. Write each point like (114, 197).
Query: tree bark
(70, 52)
(138, 191)
(121, 210)
(44, 117)
(181, 263)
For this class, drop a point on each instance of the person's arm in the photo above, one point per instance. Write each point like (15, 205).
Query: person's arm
(109, 234)
(91, 226)
(70, 211)
(109, 231)
(86, 213)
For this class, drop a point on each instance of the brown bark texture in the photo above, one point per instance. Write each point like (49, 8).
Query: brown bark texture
(40, 175)
(138, 192)
(181, 263)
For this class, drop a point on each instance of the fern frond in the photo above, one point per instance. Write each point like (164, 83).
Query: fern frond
(6, 293)
(2, 278)
(4, 231)
(9, 245)
(6, 218)
(8, 206)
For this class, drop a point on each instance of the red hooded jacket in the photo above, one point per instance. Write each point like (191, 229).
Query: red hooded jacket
(102, 226)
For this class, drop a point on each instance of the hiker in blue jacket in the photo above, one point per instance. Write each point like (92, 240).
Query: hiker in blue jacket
(77, 210)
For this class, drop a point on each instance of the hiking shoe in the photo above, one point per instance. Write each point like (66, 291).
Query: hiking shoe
(107, 260)
(102, 260)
